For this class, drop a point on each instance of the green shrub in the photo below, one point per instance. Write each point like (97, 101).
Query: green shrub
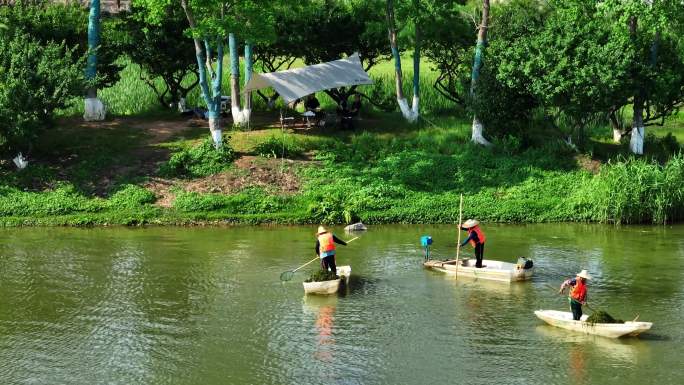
(284, 146)
(250, 201)
(200, 160)
(60, 201)
(131, 196)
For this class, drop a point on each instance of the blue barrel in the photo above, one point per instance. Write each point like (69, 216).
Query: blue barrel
(425, 240)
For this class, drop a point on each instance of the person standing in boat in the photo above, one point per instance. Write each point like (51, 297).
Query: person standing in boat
(325, 248)
(476, 238)
(578, 293)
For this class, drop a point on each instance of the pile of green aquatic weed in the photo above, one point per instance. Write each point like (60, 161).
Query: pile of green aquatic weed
(322, 275)
(602, 317)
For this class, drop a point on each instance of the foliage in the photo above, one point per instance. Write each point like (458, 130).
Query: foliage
(321, 275)
(284, 146)
(162, 51)
(448, 40)
(250, 201)
(35, 79)
(67, 23)
(131, 196)
(200, 160)
(333, 29)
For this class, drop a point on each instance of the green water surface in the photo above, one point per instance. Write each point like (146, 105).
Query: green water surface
(205, 306)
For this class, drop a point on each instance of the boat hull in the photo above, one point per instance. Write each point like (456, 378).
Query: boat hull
(328, 287)
(493, 270)
(563, 319)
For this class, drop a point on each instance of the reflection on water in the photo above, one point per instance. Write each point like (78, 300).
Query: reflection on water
(188, 306)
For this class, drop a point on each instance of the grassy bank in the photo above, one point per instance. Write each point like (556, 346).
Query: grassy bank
(384, 172)
(147, 166)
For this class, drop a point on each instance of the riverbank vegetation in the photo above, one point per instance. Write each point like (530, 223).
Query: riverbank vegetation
(560, 125)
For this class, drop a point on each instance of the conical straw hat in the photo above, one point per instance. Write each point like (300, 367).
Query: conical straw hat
(584, 274)
(321, 230)
(470, 223)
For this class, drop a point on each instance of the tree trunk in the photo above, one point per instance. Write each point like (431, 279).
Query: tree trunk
(616, 125)
(213, 101)
(415, 110)
(398, 76)
(478, 127)
(248, 76)
(94, 110)
(239, 117)
(636, 142)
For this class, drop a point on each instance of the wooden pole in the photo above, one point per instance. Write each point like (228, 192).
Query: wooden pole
(458, 243)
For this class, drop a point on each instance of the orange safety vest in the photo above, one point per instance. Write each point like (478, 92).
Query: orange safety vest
(480, 235)
(579, 291)
(326, 242)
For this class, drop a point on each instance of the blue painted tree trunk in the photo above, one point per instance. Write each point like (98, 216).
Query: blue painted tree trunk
(93, 43)
(248, 73)
(212, 97)
(94, 110)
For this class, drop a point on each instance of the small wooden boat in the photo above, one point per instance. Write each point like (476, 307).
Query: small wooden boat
(491, 270)
(563, 319)
(329, 287)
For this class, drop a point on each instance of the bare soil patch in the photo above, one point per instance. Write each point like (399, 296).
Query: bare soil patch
(276, 175)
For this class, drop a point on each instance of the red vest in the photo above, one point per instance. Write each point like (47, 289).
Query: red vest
(480, 235)
(326, 242)
(579, 291)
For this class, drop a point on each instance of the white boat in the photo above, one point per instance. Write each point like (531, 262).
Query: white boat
(329, 287)
(563, 319)
(491, 270)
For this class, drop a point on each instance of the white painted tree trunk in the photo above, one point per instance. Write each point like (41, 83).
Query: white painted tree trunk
(94, 110)
(477, 130)
(636, 142)
(409, 113)
(216, 132)
(617, 135)
(240, 115)
(415, 107)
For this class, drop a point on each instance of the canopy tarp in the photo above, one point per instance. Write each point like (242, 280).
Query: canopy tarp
(299, 82)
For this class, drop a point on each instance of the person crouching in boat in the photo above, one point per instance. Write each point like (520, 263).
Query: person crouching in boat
(476, 238)
(325, 248)
(578, 293)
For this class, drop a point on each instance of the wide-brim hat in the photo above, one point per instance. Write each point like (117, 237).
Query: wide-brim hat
(321, 230)
(470, 223)
(584, 274)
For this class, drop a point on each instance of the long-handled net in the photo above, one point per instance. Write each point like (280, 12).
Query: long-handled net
(287, 275)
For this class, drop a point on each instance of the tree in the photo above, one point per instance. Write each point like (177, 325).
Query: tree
(412, 11)
(36, 78)
(68, 23)
(478, 62)
(210, 22)
(657, 69)
(94, 108)
(334, 29)
(447, 42)
(161, 50)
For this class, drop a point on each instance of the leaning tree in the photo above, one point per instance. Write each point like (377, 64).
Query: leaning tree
(209, 24)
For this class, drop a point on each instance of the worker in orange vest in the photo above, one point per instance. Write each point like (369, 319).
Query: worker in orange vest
(476, 238)
(325, 248)
(578, 293)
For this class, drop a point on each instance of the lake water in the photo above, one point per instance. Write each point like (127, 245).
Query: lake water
(206, 306)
